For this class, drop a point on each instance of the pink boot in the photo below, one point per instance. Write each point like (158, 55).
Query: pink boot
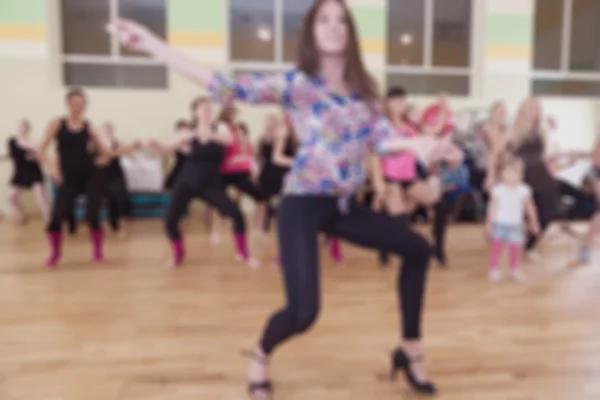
(97, 238)
(241, 246)
(178, 252)
(55, 240)
(335, 250)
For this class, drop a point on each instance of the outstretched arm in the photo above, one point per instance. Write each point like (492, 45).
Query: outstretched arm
(274, 88)
(169, 147)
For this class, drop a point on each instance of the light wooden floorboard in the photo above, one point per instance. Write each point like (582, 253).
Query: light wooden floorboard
(131, 330)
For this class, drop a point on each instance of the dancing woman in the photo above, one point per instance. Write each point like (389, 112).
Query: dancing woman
(73, 135)
(200, 177)
(180, 153)
(271, 174)
(494, 132)
(117, 195)
(237, 167)
(333, 105)
(408, 176)
(27, 173)
(585, 255)
(527, 140)
(236, 170)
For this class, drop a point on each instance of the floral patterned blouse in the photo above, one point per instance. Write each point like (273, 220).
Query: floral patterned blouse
(334, 132)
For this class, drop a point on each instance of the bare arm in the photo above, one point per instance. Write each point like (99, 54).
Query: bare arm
(126, 150)
(436, 129)
(170, 146)
(251, 88)
(138, 37)
(531, 213)
(278, 156)
(100, 143)
(223, 135)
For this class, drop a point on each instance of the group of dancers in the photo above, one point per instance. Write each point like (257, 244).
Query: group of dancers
(343, 142)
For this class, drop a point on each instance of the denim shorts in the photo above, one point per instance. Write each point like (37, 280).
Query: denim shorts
(508, 233)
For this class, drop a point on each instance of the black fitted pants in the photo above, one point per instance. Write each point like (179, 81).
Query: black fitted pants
(64, 201)
(118, 202)
(439, 228)
(214, 195)
(547, 210)
(244, 183)
(269, 212)
(300, 219)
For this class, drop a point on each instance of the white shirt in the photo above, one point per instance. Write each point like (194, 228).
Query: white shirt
(510, 203)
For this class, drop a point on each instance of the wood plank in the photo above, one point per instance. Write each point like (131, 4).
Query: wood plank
(131, 330)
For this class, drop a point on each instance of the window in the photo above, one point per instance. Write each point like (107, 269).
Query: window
(91, 57)
(429, 45)
(264, 33)
(566, 48)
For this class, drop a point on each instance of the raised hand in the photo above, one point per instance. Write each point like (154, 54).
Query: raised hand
(132, 35)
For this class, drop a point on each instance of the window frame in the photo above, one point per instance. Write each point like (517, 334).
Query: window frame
(563, 73)
(428, 69)
(115, 58)
(278, 63)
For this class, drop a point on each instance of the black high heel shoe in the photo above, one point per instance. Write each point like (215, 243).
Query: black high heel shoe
(264, 386)
(401, 361)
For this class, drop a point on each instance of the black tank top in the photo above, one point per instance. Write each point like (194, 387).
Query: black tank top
(75, 158)
(115, 171)
(203, 163)
(21, 162)
(266, 155)
(537, 174)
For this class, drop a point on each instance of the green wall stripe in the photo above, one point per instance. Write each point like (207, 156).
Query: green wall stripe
(196, 15)
(370, 21)
(23, 12)
(509, 29)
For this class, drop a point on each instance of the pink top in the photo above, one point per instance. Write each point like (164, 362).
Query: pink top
(403, 166)
(431, 115)
(238, 156)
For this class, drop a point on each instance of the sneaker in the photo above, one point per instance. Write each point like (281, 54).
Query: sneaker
(518, 276)
(495, 276)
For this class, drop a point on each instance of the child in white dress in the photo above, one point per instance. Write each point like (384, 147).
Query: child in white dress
(511, 201)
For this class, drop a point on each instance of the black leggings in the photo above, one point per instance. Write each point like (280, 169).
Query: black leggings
(118, 202)
(440, 224)
(547, 209)
(243, 182)
(439, 227)
(269, 213)
(300, 219)
(215, 196)
(64, 202)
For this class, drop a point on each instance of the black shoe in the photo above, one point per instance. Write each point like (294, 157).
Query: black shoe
(265, 386)
(400, 361)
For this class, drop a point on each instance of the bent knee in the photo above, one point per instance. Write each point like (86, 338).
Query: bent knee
(305, 319)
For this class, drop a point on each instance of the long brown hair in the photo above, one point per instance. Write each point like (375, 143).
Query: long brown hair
(226, 115)
(527, 125)
(355, 75)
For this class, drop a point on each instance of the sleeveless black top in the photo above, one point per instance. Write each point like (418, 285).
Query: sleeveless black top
(537, 174)
(203, 164)
(26, 171)
(75, 159)
(115, 171)
(266, 155)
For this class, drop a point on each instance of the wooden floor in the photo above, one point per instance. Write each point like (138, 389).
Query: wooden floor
(132, 330)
